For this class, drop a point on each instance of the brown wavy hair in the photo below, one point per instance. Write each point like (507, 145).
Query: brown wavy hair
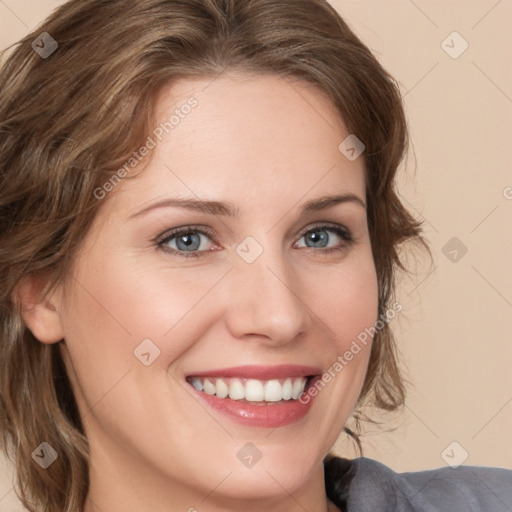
(70, 120)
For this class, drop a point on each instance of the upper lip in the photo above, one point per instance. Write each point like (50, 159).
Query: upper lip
(261, 372)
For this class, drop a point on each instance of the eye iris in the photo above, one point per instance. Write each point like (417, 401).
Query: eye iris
(318, 236)
(189, 241)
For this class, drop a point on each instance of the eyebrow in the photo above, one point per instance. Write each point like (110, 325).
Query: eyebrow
(226, 209)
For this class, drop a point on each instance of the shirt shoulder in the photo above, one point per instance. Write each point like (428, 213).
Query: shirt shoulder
(365, 484)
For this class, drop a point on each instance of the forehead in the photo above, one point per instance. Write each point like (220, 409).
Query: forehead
(252, 109)
(246, 134)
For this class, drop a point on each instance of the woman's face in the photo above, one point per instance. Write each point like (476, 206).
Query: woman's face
(267, 294)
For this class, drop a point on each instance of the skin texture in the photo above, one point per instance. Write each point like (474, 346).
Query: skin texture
(268, 146)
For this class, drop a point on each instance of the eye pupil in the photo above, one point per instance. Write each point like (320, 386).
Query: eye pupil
(318, 236)
(188, 242)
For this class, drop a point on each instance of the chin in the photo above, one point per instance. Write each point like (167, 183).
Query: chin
(279, 472)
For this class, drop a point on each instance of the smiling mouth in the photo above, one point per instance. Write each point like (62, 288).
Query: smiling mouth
(253, 391)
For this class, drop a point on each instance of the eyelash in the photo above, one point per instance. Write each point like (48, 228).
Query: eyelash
(161, 240)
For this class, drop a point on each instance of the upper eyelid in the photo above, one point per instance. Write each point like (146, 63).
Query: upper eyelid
(171, 233)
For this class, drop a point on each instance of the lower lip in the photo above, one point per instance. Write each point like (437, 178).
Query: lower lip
(268, 416)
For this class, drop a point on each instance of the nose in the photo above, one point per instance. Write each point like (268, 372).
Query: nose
(266, 301)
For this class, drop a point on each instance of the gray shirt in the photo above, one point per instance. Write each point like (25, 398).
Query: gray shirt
(365, 485)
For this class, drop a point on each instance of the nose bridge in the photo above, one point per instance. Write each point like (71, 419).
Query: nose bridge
(266, 296)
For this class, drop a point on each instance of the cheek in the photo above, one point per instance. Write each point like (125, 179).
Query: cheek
(346, 299)
(348, 307)
(108, 316)
(119, 303)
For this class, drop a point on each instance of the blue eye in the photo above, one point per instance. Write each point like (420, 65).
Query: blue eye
(187, 241)
(319, 236)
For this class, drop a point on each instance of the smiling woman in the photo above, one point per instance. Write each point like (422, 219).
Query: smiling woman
(159, 338)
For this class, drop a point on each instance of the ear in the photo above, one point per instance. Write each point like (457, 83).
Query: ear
(40, 314)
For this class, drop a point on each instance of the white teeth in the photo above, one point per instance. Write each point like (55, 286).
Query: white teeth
(209, 387)
(252, 390)
(273, 391)
(297, 388)
(287, 389)
(236, 390)
(197, 383)
(221, 388)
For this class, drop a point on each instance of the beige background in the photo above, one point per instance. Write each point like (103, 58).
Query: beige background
(454, 331)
